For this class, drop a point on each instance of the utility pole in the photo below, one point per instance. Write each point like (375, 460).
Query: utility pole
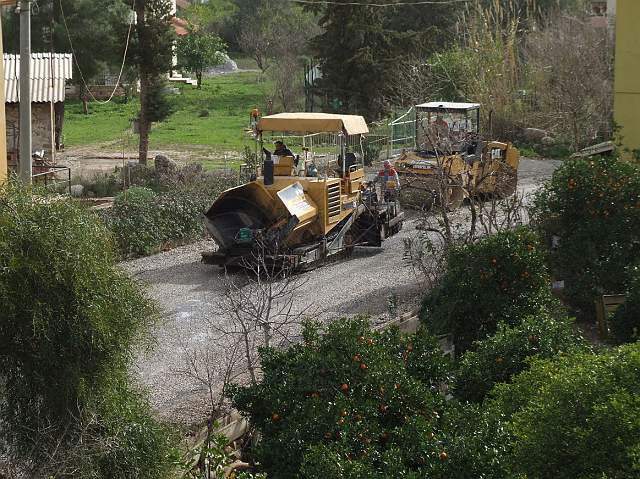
(25, 91)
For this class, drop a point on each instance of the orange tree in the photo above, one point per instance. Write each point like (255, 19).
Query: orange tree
(370, 400)
(625, 324)
(576, 415)
(501, 278)
(589, 214)
(500, 357)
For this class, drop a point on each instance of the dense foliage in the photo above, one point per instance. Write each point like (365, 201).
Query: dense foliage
(144, 222)
(349, 402)
(625, 323)
(97, 32)
(360, 49)
(501, 278)
(500, 357)
(165, 210)
(574, 416)
(589, 214)
(198, 51)
(71, 321)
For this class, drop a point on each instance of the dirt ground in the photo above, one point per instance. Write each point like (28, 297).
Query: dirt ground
(190, 292)
(87, 161)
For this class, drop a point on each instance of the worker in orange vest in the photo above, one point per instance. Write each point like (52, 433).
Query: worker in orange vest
(388, 176)
(254, 116)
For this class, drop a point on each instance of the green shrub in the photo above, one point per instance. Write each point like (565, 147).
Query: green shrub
(71, 323)
(477, 443)
(472, 444)
(166, 212)
(117, 436)
(593, 207)
(501, 278)
(136, 222)
(144, 222)
(348, 402)
(101, 184)
(372, 151)
(574, 416)
(625, 323)
(498, 358)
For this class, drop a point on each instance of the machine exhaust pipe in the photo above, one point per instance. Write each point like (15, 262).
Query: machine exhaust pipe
(267, 171)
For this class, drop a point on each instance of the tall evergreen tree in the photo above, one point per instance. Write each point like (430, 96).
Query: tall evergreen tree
(97, 31)
(153, 54)
(362, 45)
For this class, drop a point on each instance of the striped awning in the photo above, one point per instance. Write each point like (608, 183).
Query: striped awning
(49, 74)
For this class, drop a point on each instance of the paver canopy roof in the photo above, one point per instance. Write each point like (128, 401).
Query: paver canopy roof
(313, 123)
(448, 106)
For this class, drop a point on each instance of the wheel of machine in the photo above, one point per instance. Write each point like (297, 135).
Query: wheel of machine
(417, 196)
(507, 183)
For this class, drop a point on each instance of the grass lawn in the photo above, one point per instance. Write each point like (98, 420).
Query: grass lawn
(227, 99)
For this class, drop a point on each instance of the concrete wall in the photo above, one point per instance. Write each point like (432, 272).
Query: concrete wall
(41, 126)
(627, 72)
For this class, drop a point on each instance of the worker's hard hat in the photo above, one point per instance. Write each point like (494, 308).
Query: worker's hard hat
(386, 163)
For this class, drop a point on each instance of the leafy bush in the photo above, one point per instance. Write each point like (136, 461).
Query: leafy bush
(557, 150)
(166, 211)
(593, 207)
(348, 403)
(502, 356)
(501, 278)
(143, 222)
(71, 322)
(625, 323)
(372, 150)
(574, 416)
(100, 184)
(477, 443)
(136, 222)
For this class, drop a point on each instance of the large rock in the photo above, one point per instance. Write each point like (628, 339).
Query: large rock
(163, 164)
(548, 141)
(534, 135)
(228, 66)
(77, 190)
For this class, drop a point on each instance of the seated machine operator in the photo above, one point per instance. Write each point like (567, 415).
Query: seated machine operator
(281, 150)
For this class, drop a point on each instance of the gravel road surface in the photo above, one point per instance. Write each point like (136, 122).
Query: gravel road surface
(189, 291)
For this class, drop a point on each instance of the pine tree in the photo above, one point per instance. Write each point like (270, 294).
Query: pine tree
(153, 54)
(361, 47)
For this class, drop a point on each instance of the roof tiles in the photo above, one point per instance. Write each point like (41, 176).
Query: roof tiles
(45, 86)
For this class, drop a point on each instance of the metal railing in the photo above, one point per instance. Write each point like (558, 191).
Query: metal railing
(402, 133)
(51, 171)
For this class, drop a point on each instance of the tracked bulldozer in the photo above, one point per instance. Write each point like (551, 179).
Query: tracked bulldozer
(301, 211)
(451, 162)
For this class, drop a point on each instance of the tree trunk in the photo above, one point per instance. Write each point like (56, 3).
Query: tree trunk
(199, 79)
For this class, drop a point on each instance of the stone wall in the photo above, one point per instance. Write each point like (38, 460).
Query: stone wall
(42, 136)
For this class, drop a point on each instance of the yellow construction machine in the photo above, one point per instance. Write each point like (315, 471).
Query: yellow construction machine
(302, 210)
(451, 161)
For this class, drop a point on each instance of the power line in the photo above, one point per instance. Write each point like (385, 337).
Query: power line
(392, 4)
(75, 57)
